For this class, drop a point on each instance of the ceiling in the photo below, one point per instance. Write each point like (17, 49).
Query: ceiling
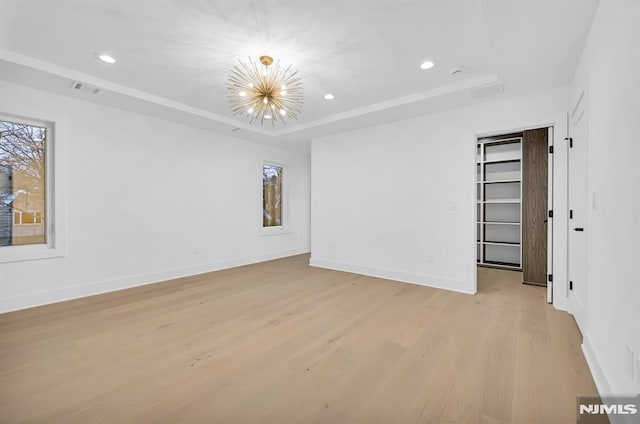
(174, 56)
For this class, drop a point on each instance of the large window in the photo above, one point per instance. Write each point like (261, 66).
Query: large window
(272, 198)
(23, 183)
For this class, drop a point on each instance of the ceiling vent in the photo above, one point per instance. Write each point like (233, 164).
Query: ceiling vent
(486, 91)
(83, 88)
(454, 72)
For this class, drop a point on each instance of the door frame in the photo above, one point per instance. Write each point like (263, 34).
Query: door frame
(578, 305)
(550, 185)
(550, 190)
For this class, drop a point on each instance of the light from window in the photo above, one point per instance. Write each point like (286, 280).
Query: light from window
(22, 184)
(271, 196)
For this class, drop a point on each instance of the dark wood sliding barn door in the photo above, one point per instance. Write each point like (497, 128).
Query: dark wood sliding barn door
(535, 209)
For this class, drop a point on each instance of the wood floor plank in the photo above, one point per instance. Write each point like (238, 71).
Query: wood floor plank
(283, 342)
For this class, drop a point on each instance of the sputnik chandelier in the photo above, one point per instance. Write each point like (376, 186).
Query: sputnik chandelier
(264, 91)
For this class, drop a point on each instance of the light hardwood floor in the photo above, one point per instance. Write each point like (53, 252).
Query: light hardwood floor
(280, 342)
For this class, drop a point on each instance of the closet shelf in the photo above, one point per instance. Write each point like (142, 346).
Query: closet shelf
(501, 161)
(497, 201)
(502, 243)
(501, 181)
(509, 265)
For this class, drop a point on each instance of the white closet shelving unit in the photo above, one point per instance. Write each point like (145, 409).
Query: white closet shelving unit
(499, 201)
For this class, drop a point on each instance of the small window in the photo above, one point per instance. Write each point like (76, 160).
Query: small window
(23, 184)
(271, 196)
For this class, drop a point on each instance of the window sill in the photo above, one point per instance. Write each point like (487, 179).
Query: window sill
(274, 231)
(29, 253)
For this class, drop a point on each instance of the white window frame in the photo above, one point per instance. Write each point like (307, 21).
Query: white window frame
(55, 201)
(284, 228)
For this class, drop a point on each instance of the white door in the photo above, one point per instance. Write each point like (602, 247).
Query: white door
(578, 207)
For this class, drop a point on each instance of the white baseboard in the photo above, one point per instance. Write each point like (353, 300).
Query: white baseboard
(404, 277)
(604, 383)
(68, 293)
(597, 371)
(562, 308)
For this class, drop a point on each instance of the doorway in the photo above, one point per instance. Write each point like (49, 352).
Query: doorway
(514, 181)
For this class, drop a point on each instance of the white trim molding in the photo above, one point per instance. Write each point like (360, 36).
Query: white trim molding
(598, 372)
(436, 282)
(99, 287)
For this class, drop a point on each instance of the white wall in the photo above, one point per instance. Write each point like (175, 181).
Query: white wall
(149, 200)
(398, 200)
(611, 63)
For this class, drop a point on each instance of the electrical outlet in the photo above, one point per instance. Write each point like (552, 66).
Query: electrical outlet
(429, 259)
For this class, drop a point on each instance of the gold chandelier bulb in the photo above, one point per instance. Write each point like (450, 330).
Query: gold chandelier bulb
(266, 60)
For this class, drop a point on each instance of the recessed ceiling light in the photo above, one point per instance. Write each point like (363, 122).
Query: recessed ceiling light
(329, 96)
(427, 64)
(105, 58)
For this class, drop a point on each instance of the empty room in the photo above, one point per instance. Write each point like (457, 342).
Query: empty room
(259, 211)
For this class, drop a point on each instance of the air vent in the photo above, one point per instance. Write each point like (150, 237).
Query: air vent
(454, 72)
(84, 88)
(486, 91)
